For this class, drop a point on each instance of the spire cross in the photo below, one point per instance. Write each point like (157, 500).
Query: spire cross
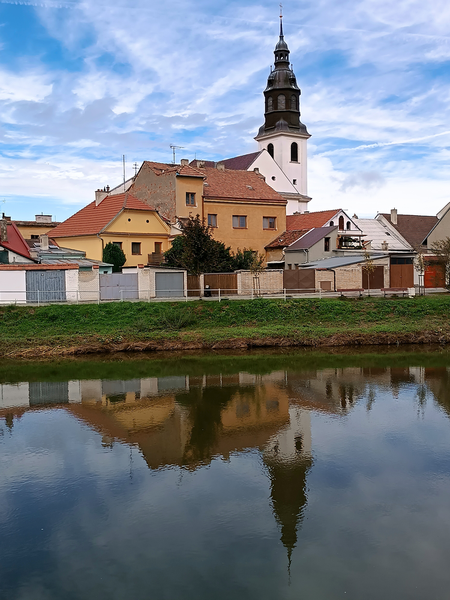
(281, 11)
(281, 20)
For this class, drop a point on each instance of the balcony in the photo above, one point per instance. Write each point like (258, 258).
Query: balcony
(349, 243)
(155, 259)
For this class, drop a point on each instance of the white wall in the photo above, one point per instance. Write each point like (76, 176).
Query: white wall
(14, 395)
(12, 287)
(72, 285)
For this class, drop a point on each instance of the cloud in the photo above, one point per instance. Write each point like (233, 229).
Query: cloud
(366, 180)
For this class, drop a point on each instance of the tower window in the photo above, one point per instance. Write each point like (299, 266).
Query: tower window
(269, 103)
(294, 152)
(270, 150)
(293, 102)
(281, 102)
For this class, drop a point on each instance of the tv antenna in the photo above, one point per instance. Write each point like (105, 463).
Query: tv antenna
(174, 149)
(135, 167)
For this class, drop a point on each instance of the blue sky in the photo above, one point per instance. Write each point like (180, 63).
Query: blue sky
(83, 82)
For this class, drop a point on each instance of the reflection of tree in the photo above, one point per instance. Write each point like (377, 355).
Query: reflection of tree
(438, 380)
(205, 406)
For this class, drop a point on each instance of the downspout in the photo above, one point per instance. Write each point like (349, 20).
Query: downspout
(334, 273)
(103, 243)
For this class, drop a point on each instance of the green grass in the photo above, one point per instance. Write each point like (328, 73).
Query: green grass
(114, 323)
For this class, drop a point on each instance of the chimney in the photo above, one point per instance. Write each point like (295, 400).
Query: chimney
(394, 216)
(385, 245)
(184, 162)
(99, 196)
(3, 231)
(220, 167)
(43, 239)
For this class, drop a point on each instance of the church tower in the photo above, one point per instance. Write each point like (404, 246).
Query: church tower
(283, 135)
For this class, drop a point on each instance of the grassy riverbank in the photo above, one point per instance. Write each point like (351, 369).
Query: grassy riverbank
(65, 329)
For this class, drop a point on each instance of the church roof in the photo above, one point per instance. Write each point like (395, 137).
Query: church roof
(310, 220)
(241, 163)
(92, 219)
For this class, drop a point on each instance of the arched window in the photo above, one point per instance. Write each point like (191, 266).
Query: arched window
(331, 223)
(270, 149)
(294, 152)
(348, 225)
(281, 102)
(269, 103)
(293, 102)
(341, 223)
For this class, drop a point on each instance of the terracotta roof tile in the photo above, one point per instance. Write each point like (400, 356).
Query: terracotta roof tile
(310, 220)
(92, 219)
(15, 242)
(414, 228)
(163, 168)
(238, 185)
(287, 238)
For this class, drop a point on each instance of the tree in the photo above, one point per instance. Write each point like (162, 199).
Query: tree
(419, 266)
(114, 255)
(368, 266)
(441, 249)
(198, 252)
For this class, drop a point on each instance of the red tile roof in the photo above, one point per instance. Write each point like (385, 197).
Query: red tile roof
(92, 219)
(310, 220)
(287, 238)
(40, 267)
(15, 242)
(163, 168)
(414, 228)
(238, 185)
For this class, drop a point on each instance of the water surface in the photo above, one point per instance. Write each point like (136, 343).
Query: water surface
(266, 475)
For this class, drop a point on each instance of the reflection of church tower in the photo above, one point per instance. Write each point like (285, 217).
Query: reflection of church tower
(283, 135)
(287, 457)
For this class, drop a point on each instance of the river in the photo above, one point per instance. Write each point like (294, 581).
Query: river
(261, 475)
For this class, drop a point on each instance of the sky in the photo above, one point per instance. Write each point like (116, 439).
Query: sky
(83, 82)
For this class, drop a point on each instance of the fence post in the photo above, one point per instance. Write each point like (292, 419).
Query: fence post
(219, 294)
(284, 294)
(38, 297)
(98, 297)
(252, 290)
(78, 296)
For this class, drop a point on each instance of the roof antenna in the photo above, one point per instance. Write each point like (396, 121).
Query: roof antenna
(135, 167)
(123, 161)
(174, 148)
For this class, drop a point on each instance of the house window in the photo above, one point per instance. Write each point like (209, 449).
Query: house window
(270, 150)
(135, 247)
(190, 199)
(331, 223)
(326, 244)
(294, 152)
(269, 222)
(118, 244)
(158, 247)
(34, 236)
(348, 225)
(341, 223)
(239, 221)
(212, 220)
(294, 181)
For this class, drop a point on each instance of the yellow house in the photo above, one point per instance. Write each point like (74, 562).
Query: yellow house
(32, 230)
(121, 219)
(243, 211)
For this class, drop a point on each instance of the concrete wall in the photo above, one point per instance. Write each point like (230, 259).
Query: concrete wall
(13, 287)
(89, 285)
(146, 280)
(71, 285)
(271, 282)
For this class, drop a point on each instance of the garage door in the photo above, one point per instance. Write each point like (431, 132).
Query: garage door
(169, 285)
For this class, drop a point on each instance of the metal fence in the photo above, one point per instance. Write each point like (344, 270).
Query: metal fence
(46, 297)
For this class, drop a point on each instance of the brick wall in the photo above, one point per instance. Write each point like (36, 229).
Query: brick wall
(324, 276)
(349, 277)
(158, 191)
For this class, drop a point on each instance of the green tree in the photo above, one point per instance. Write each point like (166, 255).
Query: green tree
(114, 255)
(197, 251)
